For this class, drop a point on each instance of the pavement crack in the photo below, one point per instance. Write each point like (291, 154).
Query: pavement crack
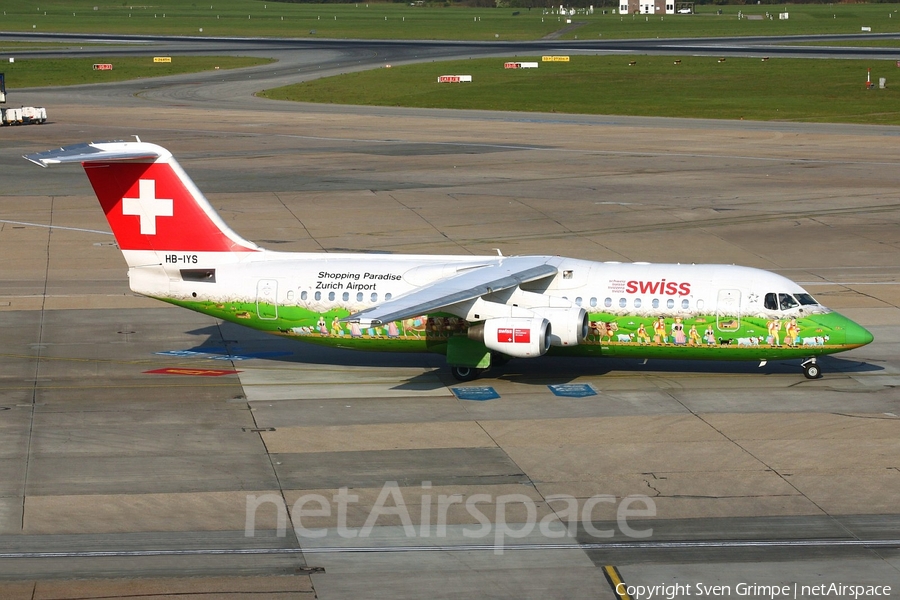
(430, 224)
(299, 220)
(656, 491)
(784, 477)
(37, 363)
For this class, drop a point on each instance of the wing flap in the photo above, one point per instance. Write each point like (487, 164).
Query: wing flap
(469, 285)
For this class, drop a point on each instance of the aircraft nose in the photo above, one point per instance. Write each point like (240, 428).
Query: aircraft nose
(856, 335)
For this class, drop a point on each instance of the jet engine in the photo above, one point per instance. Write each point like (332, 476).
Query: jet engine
(521, 337)
(569, 325)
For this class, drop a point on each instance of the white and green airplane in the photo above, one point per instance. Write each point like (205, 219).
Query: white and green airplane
(476, 310)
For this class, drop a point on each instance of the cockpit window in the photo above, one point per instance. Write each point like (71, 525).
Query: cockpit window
(805, 299)
(787, 301)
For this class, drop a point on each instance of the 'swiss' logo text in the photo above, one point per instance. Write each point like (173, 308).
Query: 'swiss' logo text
(663, 287)
(513, 336)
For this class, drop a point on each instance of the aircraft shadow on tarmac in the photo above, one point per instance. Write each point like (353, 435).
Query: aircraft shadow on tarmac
(228, 341)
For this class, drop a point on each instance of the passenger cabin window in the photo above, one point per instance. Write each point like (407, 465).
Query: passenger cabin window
(318, 295)
(637, 302)
(771, 302)
(670, 303)
(623, 302)
(374, 297)
(578, 301)
(685, 303)
(303, 295)
(593, 302)
(607, 303)
(655, 303)
(787, 301)
(331, 296)
(359, 296)
(345, 296)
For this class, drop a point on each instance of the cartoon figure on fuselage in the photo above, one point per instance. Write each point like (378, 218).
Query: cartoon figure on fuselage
(678, 332)
(774, 328)
(609, 330)
(642, 336)
(659, 331)
(791, 333)
(415, 325)
(179, 250)
(694, 336)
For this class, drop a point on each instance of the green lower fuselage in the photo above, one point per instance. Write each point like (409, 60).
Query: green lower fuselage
(698, 337)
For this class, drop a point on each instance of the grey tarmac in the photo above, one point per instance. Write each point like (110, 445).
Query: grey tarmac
(119, 482)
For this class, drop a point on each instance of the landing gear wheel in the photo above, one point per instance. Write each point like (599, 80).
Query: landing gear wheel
(465, 373)
(812, 370)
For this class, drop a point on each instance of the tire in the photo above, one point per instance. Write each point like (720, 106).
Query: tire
(465, 373)
(812, 371)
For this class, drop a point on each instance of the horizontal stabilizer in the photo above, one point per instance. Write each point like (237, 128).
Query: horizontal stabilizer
(98, 152)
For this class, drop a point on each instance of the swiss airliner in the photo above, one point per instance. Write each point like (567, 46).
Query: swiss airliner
(478, 311)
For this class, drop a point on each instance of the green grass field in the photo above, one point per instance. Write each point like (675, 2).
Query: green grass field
(72, 71)
(400, 21)
(702, 87)
(798, 90)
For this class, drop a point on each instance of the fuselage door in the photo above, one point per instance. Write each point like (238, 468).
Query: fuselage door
(267, 299)
(728, 310)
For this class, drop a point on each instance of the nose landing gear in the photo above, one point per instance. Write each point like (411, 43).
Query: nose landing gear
(811, 368)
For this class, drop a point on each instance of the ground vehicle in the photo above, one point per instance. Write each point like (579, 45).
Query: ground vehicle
(24, 115)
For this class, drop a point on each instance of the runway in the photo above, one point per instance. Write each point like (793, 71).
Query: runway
(149, 450)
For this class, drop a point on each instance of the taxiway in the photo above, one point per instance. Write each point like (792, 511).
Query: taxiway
(138, 482)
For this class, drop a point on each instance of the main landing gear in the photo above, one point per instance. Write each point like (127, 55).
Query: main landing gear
(466, 373)
(811, 368)
(472, 373)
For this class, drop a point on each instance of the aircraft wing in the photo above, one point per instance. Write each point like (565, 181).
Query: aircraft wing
(468, 285)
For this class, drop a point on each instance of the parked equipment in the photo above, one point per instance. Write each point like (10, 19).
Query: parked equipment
(25, 115)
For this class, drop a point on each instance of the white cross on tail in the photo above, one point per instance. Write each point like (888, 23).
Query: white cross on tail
(147, 206)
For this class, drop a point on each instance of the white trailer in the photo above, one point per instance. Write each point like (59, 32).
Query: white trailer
(32, 114)
(24, 115)
(12, 116)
